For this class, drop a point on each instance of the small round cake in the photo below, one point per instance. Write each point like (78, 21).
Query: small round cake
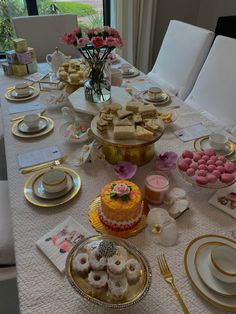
(121, 205)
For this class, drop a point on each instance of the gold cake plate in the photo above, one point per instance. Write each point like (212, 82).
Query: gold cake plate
(100, 227)
(16, 130)
(42, 202)
(135, 292)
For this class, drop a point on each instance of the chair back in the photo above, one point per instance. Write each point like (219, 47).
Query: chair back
(226, 26)
(182, 54)
(43, 32)
(215, 88)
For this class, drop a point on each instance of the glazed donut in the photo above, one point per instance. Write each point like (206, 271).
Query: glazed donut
(133, 269)
(81, 263)
(97, 278)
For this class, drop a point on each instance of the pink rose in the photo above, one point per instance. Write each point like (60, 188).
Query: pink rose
(121, 189)
(98, 42)
(111, 41)
(76, 30)
(69, 38)
(82, 42)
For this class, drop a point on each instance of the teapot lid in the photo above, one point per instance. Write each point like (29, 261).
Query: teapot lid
(57, 52)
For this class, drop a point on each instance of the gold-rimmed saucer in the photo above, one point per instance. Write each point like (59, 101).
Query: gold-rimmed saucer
(33, 199)
(162, 100)
(202, 143)
(40, 192)
(133, 73)
(16, 95)
(22, 126)
(35, 93)
(100, 227)
(15, 129)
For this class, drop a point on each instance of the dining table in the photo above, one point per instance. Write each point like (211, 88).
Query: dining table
(41, 287)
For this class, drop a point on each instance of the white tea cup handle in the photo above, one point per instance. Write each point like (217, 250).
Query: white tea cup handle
(49, 59)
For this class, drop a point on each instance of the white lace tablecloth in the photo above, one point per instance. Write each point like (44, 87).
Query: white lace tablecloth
(42, 289)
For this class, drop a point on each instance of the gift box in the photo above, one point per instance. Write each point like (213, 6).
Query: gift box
(24, 57)
(11, 56)
(7, 68)
(33, 53)
(19, 69)
(32, 67)
(20, 45)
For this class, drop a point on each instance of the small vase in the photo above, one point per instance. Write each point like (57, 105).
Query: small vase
(97, 88)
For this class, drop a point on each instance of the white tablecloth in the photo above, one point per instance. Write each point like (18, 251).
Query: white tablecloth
(42, 289)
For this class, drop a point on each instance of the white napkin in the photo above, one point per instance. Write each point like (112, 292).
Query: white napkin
(23, 107)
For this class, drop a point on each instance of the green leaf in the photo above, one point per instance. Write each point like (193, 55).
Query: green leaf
(113, 195)
(125, 197)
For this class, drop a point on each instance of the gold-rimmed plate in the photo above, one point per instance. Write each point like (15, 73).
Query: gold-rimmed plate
(101, 228)
(33, 199)
(133, 73)
(135, 292)
(16, 95)
(202, 260)
(163, 100)
(22, 126)
(208, 294)
(202, 143)
(35, 93)
(15, 129)
(40, 192)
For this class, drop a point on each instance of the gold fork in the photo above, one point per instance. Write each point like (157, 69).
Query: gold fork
(44, 165)
(166, 274)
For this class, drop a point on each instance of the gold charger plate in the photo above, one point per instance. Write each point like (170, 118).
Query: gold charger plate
(22, 126)
(202, 143)
(223, 302)
(165, 101)
(33, 199)
(135, 292)
(100, 227)
(35, 93)
(134, 73)
(15, 129)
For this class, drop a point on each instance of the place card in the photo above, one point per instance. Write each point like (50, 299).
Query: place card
(57, 243)
(24, 107)
(192, 132)
(39, 156)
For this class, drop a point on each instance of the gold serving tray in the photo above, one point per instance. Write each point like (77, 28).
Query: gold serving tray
(33, 199)
(135, 293)
(8, 95)
(101, 228)
(49, 128)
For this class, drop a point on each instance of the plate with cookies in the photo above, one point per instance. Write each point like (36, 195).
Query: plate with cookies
(72, 72)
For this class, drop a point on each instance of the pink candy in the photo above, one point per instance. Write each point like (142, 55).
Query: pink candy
(187, 154)
(210, 162)
(211, 168)
(230, 167)
(202, 173)
(210, 152)
(216, 173)
(201, 162)
(211, 178)
(188, 160)
(190, 172)
(201, 180)
(197, 157)
(227, 177)
(183, 165)
(219, 163)
(205, 157)
(202, 167)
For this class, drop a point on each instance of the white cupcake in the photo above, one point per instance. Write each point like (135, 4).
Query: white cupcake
(97, 279)
(116, 264)
(133, 269)
(97, 262)
(81, 263)
(118, 287)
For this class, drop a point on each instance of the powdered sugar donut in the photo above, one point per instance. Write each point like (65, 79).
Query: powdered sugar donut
(116, 264)
(97, 278)
(81, 263)
(133, 269)
(97, 262)
(118, 287)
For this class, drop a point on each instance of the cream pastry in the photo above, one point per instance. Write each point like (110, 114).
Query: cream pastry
(97, 279)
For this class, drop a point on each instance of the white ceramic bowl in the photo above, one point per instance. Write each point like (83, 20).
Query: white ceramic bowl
(222, 263)
(54, 181)
(32, 120)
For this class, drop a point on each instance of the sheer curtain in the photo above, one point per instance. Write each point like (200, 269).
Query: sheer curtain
(136, 21)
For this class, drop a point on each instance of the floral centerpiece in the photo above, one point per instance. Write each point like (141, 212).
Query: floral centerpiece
(96, 45)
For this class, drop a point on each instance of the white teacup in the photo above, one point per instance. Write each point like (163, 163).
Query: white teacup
(126, 68)
(22, 89)
(32, 120)
(154, 93)
(54, 181)
(222, 263)
(116, 77)
(218, 141)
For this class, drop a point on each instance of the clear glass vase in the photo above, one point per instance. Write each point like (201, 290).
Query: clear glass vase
(97, 88)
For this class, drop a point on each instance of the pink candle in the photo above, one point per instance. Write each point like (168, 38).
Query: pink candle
(156, 186)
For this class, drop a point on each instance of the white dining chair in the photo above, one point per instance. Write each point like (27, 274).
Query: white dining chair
(214, 91)
(43, 32)
(182, 54)
(7, 258)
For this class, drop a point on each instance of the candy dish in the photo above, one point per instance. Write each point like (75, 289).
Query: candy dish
(22, 127)
(34, 92)
(203, 143)
(131, 294)
(20, 132)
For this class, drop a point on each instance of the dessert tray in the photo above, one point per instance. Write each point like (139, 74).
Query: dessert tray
(107, 296)
(101, 228)
(202, 143)
(36, 195)
(163, 99)
(20, 129)
(13, 96)
(196, 266)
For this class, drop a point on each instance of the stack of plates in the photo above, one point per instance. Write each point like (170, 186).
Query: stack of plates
(36, 194)
(20, 128)
(196, 261)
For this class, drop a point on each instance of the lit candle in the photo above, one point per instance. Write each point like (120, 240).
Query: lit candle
(156, 186)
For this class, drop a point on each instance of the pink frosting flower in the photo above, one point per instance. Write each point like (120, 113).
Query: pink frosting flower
(125, 170)
(98, 42)
(82, 42)
(121, 189)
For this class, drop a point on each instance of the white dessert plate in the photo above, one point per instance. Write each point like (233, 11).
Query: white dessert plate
(16, 95)
(202, 260)
(22, 126)
(226, 303)
(39, 190)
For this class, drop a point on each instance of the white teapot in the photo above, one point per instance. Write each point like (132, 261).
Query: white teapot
(56, 59)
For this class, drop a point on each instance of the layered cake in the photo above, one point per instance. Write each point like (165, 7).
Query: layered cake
(121, 205)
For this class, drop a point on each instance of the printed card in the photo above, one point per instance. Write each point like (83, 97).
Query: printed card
(192, 132)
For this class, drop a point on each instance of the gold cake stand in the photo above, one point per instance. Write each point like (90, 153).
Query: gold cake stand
(101, 228)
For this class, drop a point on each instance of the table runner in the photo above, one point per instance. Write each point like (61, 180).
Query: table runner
(42, 289)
